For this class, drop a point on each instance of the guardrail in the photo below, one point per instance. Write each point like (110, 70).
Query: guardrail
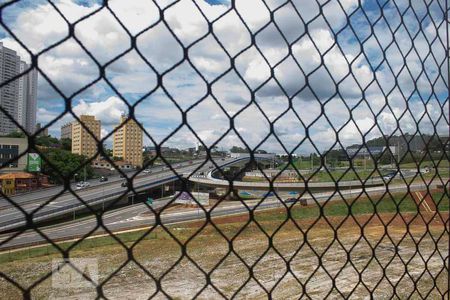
(47, 214)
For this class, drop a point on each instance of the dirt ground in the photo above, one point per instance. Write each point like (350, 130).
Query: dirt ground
(351, 257)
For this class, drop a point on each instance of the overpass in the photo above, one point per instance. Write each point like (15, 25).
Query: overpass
(210, 180)
(44, 205)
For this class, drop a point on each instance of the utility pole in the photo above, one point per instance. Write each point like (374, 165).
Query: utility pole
(312, 161)
(85, 173)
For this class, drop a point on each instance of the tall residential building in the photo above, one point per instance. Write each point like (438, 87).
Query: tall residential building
(18, 98)
(127, 142)
(66, 131)
(31, 101)
(82, 142)
(23, 94)
(9, 94)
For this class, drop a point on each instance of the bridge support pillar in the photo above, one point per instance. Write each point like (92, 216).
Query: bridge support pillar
(233, 195)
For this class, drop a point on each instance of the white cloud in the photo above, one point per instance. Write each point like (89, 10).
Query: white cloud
(70, 68)
(108, 111)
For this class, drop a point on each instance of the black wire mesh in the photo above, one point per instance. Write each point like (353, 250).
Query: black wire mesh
(404, 49)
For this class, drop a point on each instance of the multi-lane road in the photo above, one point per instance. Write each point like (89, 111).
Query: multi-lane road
(131, 216)
(62, 201)
(50, 203)
(139, 216)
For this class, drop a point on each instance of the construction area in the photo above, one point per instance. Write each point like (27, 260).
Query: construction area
(375, 247)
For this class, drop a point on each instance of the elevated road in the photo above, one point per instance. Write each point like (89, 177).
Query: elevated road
(210, 180)
(286, 186)
(45, 194)
(48, 204)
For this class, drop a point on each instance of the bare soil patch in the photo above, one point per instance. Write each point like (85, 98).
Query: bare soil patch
(388, 254)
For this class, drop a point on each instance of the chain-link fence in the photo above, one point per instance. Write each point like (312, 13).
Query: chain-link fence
(351, 96)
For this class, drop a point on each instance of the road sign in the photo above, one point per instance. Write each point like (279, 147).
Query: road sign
(185, 198)
(34, 162)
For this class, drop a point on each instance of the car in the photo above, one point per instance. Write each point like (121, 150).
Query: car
(82, 184)
(103, 179)
(124, 184)
(295, 200)
(290, 200)
(389, 176)
(147, 171)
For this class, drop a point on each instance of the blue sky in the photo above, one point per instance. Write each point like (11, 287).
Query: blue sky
(326, 54)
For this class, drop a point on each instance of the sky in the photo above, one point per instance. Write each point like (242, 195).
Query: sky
(303, 78)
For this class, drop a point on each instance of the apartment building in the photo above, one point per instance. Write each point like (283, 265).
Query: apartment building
(127, 142)
(66, 131)
(83, 142)
(19, 97)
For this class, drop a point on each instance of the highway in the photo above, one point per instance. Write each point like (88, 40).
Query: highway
(47, 193)
(46, 204)
(139, 216)
(129, 217)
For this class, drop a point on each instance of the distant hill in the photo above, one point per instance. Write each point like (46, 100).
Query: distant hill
(415, 142)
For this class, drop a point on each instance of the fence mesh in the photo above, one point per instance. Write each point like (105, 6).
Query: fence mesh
(369, 68)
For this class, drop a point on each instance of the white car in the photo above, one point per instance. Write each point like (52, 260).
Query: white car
(82, 184)
(147, 171)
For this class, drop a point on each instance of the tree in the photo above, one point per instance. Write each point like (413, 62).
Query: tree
(64, 163)
(236, 149)
(66, 144)
(436, 144)
(16, 134)
(47, 141)
(108, 152)
(147, 159)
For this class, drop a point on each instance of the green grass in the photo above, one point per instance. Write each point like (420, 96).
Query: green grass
(441, 164)
(357, 207)
(441, 201)
(329, 209)
(323, 176)
(357, 162)
(126, 238)
(306, 164)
